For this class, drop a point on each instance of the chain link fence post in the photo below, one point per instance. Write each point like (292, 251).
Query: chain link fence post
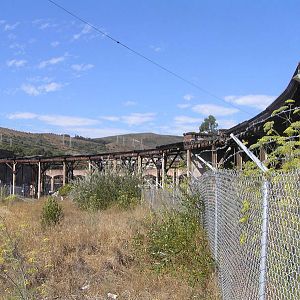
(264, 241)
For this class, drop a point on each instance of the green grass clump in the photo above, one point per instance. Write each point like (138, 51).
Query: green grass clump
(65, 190)
(52, 213)
(101, 191)
(174, 241)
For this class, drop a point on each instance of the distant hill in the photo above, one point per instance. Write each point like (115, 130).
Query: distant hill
(137, 141)
(49, 144)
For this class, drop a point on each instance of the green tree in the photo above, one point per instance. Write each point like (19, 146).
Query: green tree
(209, 124)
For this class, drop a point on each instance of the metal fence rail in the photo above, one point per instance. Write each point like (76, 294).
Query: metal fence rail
(233, 218)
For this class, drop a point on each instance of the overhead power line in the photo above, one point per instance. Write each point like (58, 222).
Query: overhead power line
(103, 33)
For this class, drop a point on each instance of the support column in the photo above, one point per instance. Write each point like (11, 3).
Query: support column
(39, 180)
(174, 177)
(163, 170)
(140, 164)
(239, 161)
(262, 154)
(14, 173)
(157, 176)
(188, 163)
(214, 157)
(115, 163)
(64, 173)
(52, 183)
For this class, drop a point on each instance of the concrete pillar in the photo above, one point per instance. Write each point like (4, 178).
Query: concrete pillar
(39, 181)
(239, 161)
(188, 163)
(64, 173)
(14, 173)
(163, 170)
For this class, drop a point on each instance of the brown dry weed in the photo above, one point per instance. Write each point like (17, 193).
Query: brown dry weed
(90, 255)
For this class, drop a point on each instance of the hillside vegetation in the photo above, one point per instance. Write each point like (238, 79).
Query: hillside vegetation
(49, 144)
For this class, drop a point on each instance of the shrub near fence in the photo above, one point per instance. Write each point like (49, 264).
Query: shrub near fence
(233, 221)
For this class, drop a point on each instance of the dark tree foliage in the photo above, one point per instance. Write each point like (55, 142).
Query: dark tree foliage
(209, 124)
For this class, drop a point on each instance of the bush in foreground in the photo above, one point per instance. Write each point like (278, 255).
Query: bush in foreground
(174, 241)
(52, 213)
(101, 191)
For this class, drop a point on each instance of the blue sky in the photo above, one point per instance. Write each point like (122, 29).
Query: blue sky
(59, 75)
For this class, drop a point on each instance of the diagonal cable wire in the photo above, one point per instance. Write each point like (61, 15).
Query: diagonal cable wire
(145, 57)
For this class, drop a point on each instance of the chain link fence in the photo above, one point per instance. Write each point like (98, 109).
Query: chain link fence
(158, 198)
(254, 259)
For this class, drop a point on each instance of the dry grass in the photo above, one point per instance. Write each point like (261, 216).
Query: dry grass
(89, 250)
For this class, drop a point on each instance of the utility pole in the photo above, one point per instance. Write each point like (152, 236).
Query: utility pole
(70, 143)
(63, 139)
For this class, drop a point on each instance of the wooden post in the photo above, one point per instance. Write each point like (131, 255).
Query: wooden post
(163, 170)
(157, 176)
(115, 162)
(64, 173)
(14, 173)
(214, 157)
(262, 154)
(188, 163)
(174, 177)
(90, 166)
(140, 164)
(39, 180)
(52, 183)
(239, 161)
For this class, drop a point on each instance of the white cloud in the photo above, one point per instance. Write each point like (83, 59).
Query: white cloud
(36, 90)
(188, 97)
(22, 116)
(187, 120)
(51, 61)
(19, 48)
(111, 118)
(9, 27)
(56, 120)
(63, 121)
(30, 89)
(16, 63)
(138, 118)
(82, 67)
(51, 87)
(129, 103)
(156, 49)
(55, 44)
(226, 124)
(183, 105)
(44, 26)
(212, 109)
(257, 101)
(85, 30)
(131, 119)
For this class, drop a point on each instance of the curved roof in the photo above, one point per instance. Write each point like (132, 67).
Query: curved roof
(291, 92)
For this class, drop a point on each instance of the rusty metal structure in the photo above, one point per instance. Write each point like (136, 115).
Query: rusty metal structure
(166, 162)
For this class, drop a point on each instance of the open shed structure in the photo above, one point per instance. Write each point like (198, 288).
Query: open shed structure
(163, 163)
